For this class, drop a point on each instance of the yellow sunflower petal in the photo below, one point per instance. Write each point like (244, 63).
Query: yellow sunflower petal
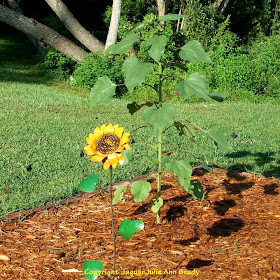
(116, 126)
(90, 138)
(120, 158)
(109, 129)
(124, 140)
(102, 127)
(89, 150)
(126, 146)
(120, 149)
(113, 158)
(119, 131)
(106, 164)
(97, 133)
(97, 158)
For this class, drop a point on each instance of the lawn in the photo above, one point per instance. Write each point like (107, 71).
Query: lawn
(44, 125)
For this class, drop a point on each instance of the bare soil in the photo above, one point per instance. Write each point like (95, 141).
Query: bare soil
(233, 234)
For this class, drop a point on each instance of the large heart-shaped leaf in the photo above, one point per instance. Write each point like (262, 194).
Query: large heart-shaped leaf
(218, 95)
(185, 129)
(157, 44)
(159, 118)
(136, 27)
(170, 17)
(89, 184)
(156, 204)
(134, 106)
(196, 190)
(92, 269)
(194, 52)
(140, 190)
(196, 84)
(102, 90)
(135, 72)
(127, 156)
(183, 169)
(123, 46)
(128, 228)
(219, 137)
(118, 194)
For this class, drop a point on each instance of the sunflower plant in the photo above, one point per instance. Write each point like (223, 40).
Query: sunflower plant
(160, 114)
(110, 144)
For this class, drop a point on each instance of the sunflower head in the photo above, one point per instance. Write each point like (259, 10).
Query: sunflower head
(106, 145)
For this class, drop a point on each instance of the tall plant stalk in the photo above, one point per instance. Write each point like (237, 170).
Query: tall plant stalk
(159, 143)
(113, 222)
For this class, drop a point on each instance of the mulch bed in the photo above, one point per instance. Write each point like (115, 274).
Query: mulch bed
(233, 234)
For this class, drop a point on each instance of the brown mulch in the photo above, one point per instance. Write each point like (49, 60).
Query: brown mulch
(233, 234)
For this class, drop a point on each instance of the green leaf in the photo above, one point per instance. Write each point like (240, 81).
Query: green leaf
(92, 269)
(159, 118)
(194, 52)
(102, 90)
(185, 129)
(118, 194)
(89, 184)
(136, 27)
(123, 46)
(219, 137)
(127, 155)
(140, 190)
(156, 204)
(218, 95)
(135, 72)
(157, 44)
(134, 106)
(206, 167)
(170, 17)
(196, 85)
(128, 228)
(196, 190)
(178, 65)
(183, 169)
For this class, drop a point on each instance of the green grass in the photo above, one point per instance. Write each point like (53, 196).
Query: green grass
(43, 126)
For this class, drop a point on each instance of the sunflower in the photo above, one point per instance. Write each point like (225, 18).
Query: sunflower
(106, 145)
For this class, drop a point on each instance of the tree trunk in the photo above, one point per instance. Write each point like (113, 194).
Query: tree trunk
(114, 23)
(41, 32)
(162, 7)
(71, 23)
(39, 46)
(221, 5)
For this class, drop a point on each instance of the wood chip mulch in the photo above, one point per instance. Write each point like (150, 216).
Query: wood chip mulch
(233, 234)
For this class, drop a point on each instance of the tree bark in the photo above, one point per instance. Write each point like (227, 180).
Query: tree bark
(72, 24)
(114, 23)
(221, 5)
(162, 7)
(39, 46)
(41, 32)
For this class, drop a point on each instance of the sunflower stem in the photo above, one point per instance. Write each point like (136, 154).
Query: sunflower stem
(159, 144)
(113, 222)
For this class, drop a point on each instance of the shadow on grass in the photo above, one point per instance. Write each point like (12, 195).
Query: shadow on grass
(19, 61)
(260, 160)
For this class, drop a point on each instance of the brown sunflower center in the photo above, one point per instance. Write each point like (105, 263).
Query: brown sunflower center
(107, 144)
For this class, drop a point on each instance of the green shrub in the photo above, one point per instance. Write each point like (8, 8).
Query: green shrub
(201, 22)
(95, 65)
(60, 65)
